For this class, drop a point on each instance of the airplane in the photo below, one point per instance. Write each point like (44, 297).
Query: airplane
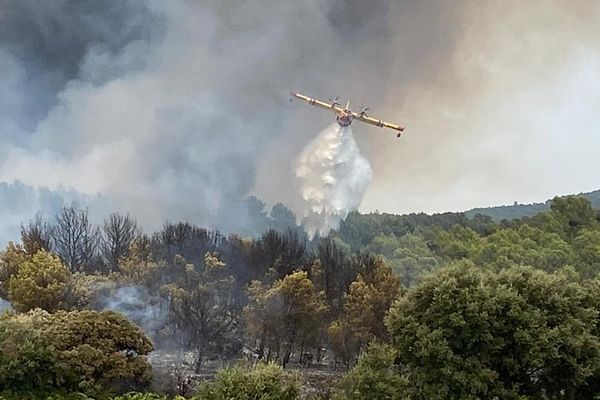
(345, 116)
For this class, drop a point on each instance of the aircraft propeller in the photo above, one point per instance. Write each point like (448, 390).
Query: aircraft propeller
(363, 111)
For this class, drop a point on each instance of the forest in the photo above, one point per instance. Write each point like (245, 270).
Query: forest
(444, 306)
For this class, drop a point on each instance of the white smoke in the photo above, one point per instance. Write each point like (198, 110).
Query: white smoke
(332, 177)
(148, 311)
(4, 306)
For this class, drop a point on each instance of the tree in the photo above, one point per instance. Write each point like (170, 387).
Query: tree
(524, 245)
(465, 333)
(39, 283)
(365, 305)
(574, 212)
(257, 219)
(376, 376)
(118, 234)
(10, 261)
(280, 252)
(587, 248)
(139, 266)
(336, 269)
(287, 314)
(37, 235)
(408, 255)
(457, 242)
(76, 239)
(202, 305)
(282, 218)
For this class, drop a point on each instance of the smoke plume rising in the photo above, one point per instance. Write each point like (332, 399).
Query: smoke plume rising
(136, 303)
(332, 178)
(177, 109)
(4, 306)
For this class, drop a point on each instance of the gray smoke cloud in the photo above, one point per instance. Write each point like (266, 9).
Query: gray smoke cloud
(178, 110)
(20, 203)
(148, 311)
(169, 109)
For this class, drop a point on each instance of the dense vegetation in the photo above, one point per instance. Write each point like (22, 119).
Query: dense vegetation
(517, 210)
(413, 306)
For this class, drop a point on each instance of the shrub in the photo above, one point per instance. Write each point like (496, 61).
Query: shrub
(264, 382)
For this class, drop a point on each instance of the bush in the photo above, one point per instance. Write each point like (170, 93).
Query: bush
(264, 382)
(142, 396)
(41, 395)
(375, 376)
(27, 360)
(81, 351)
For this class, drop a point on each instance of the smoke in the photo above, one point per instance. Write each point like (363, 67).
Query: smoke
(177, 110)
(137, 304)
(20, 203)
(4, 306)
(332, 179)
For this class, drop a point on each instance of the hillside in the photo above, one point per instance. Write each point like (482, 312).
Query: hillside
(526, 210)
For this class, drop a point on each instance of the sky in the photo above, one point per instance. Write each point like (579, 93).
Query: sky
(179, 110)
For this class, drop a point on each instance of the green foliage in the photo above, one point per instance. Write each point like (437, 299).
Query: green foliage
(39, 283)
(264, 382)
(365, 305)
(524, 246)
(485, 327)
(574, 212)
(10, 262)
(408, 255)
(44, 395)
(457, 242)
(139, 267)
(526, 210)
(359, 230)
(27, 359)
(144, 396)
(100, 348)
(375, 377)
(84, 351)
(465, 333)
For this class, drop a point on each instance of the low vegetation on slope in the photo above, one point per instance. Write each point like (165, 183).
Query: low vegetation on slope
(413, 307)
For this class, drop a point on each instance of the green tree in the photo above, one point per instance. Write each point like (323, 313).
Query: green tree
(457, 242)
(27, 359)
(365, 306)
(10, 261)
(139, 266)
(587, 248)
(524, 245)
(574, 212)
(465, 333)
(409, 256)
(265, 382)
(39, 283)
(375, 376)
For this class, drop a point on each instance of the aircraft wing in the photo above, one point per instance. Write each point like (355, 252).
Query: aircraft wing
(377, 122)
(316, 102)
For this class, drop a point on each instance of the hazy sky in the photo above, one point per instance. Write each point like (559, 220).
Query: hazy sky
(178, 109)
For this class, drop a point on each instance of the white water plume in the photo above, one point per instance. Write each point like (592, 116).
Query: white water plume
(332, 178)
